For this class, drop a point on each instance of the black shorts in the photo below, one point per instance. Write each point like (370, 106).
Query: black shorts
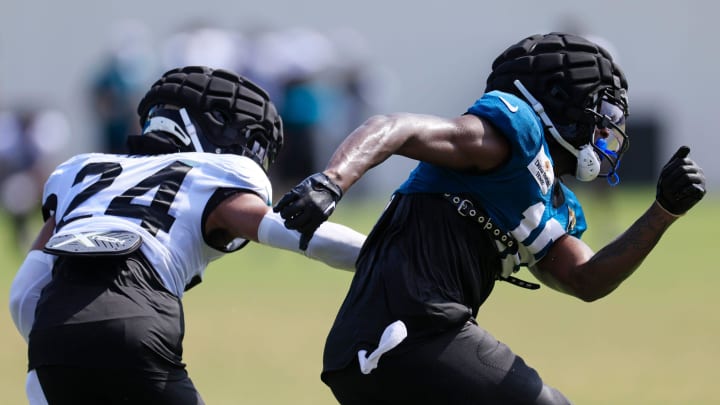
(80, 386)
(110, 317)
(465, 365)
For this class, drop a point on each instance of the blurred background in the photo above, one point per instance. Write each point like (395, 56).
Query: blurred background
(330, 64)
(72, 72)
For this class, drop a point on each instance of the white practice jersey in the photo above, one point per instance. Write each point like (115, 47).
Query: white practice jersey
(162, 198)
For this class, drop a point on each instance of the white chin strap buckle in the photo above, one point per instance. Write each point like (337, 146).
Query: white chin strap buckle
(588, 164)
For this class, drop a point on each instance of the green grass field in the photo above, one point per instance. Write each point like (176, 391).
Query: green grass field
(256, 326)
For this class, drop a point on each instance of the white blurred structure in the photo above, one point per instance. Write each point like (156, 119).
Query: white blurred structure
(438, 55)
(207, 45)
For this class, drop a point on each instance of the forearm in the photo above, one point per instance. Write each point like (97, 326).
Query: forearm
(614, 263)
(333, 244)
(367, 146)
(32, 276)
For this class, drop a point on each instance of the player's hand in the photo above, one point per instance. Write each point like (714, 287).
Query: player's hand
(308, 205)
(681, 184)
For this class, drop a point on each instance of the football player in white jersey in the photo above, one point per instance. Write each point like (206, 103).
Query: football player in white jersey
(484, 201)
(126, 235)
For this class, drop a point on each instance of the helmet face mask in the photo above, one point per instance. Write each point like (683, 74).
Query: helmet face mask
(250, 141)
(199, 109)
(248, 138)
(609, 138)
(605, 133)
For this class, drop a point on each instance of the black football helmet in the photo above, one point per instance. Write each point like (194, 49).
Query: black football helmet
(199, 109)
(577, 89)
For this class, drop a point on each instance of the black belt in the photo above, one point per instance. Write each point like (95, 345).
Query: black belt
(466, 208)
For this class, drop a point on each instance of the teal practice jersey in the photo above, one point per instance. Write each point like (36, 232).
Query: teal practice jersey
(522, 196)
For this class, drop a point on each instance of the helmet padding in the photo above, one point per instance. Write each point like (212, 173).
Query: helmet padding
(566, 74)
(228, 113)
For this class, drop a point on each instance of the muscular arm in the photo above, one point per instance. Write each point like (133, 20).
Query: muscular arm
(571, 267)
(463, 143)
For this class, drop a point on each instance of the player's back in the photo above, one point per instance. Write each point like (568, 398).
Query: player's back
(162, 198)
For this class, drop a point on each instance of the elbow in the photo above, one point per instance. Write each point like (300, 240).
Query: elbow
(582, 284)
(591, 292)
(588, 297)
(384, 125)
(587, 293)
(378, 120)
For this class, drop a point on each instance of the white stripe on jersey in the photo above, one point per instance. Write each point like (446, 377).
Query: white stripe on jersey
(531, 219)
(552, 231)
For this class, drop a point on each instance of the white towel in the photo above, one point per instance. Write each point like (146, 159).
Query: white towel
(395, 333)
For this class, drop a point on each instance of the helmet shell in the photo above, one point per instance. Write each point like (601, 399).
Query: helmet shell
(231, 114)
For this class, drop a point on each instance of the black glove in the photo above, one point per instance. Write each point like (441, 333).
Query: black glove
(681, 184)
(308, 205)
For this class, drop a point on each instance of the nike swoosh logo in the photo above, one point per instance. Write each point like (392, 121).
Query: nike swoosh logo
(512, 108)
(330, 208)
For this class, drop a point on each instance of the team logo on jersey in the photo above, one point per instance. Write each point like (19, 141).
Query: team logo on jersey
(541, 169)
(572, 219)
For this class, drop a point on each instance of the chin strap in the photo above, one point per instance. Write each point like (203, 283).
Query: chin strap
(191, 131)
(588, 162)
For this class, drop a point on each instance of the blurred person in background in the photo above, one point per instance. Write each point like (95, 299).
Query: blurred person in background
(322, 86)
(119, 83)
(98, 297)
(485, 200)
(33, 139)
(361, 87)
(354, 88)
(295, 62)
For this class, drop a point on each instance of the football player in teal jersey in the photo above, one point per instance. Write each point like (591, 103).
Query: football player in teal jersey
(485, 200)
